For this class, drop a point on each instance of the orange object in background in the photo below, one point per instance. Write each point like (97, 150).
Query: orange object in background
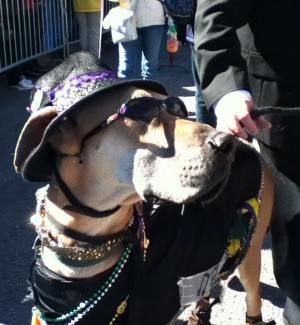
(172, 42)
(35, 320)
(172, 45)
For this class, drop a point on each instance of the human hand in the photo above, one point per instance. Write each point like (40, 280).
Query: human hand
(233, 115)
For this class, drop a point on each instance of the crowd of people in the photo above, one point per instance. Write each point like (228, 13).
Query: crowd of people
(137, 59)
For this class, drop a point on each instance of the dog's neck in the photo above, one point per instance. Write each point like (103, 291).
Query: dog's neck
(50, 214)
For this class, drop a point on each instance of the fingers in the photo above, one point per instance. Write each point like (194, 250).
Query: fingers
(245, 126)
(239, 129)
(263, 123)
(233, 116)
(240, 124)
(252, 126)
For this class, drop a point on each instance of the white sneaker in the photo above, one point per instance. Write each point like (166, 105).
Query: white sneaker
(24, 84)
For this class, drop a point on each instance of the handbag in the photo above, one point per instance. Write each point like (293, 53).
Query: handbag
(122, 24)
(181, 11)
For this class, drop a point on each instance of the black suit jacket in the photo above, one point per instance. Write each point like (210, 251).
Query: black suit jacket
(252, 45)
(255, 45)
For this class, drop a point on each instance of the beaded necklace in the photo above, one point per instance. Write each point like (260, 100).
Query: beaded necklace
(120, 310)
(83, 308)
(238, 247)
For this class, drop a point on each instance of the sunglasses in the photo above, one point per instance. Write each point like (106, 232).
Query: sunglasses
(147, 108)
(144, 109)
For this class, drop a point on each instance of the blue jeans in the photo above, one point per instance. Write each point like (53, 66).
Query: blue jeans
(139, 58)
(203, 115)
(52, 24)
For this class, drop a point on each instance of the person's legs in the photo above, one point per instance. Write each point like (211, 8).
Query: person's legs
(128, 55)
(151, 40)
(93, 27)
(279, 146)
(83, 31)
(53, 12)
(202, 113)
(291, 313)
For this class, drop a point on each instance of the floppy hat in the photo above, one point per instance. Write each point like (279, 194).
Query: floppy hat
(34, 156)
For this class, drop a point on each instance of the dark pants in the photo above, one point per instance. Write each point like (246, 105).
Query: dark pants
(280, 146)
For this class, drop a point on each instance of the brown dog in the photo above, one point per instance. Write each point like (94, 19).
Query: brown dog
(105, 169)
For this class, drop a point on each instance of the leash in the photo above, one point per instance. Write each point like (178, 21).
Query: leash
(75, 204)
(95, 239)
(286, 111)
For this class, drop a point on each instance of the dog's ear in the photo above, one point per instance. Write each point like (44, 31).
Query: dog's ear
(32, 134)
(66, 137)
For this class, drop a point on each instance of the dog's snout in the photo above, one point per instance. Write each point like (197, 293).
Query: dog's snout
(221, 142)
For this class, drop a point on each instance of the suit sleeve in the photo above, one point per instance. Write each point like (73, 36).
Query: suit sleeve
(222, 68)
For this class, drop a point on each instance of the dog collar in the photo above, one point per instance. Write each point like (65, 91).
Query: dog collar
(87, 250)
(78, 255)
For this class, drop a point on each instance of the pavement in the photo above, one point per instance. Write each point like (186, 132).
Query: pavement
(18, 204)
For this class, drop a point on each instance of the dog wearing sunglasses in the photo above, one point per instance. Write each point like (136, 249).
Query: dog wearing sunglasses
(144, 211)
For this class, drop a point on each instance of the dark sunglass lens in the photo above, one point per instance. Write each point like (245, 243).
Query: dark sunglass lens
(176, 106)
(143, 108)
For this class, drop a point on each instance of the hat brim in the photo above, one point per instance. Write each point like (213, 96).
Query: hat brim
(35, 160)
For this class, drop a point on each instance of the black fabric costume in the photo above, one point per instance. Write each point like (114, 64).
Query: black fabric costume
(181, 244)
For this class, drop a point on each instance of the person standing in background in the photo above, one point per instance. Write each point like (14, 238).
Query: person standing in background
(139, 58)
(248, 56)
(203, 115)
(185, 34)
(53, 14)
(88, 15)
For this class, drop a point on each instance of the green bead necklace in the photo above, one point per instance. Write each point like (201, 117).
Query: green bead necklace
(83, 308)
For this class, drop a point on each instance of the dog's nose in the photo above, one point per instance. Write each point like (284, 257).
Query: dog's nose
(221, 142)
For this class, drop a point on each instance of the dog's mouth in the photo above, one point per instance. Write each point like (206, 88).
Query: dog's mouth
(213, 193)
(210, 195)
